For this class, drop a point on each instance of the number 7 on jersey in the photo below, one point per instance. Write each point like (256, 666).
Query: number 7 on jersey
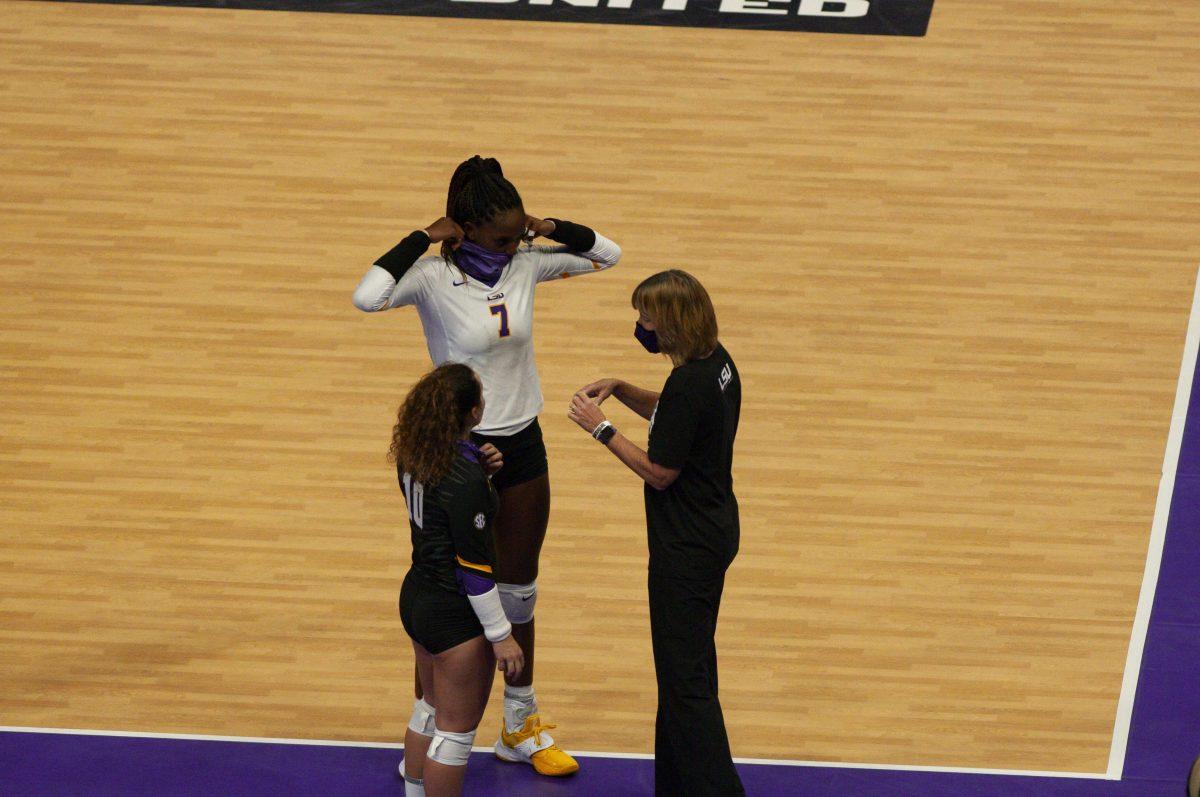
(502, 311)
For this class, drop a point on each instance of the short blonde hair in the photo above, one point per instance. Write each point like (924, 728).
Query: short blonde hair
(682, 313)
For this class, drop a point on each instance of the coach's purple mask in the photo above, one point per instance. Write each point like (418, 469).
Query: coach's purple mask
(647, 337)
(482, 264)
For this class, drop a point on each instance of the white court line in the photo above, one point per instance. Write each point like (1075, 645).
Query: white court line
(579, 753)
(1158, 537)
(1133, 661)
(200, 737)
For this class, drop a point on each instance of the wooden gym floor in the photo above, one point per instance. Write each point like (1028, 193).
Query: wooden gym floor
(955, 272)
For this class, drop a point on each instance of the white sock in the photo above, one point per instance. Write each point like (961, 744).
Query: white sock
(412, 786)
(519, 704)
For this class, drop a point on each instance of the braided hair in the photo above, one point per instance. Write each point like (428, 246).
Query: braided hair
(478, 193)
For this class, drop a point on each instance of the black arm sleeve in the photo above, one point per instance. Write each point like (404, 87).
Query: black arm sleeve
(575, 236)
(400, 257)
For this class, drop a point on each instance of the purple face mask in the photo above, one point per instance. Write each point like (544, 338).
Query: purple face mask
(647, 337)
(471, 451)
(482, 264)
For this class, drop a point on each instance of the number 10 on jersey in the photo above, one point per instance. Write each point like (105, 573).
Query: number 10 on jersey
(502, 311)
(414, 496)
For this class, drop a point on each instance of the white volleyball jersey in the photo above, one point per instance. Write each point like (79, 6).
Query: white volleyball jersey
(489, 329)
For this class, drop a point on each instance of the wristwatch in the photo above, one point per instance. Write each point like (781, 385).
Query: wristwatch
(604, 432)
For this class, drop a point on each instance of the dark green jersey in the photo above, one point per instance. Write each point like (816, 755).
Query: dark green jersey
(451, 524)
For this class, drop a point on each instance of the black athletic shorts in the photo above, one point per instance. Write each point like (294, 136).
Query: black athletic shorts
(435, 618)
(524, 456)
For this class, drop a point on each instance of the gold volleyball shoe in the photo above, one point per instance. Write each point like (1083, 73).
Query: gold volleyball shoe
(533, 745)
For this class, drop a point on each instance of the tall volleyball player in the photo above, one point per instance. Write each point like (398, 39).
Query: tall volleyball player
(475, 301)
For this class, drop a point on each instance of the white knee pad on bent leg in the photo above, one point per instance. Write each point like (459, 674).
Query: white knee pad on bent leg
(422, 720)
(518, 601)
(449, 748)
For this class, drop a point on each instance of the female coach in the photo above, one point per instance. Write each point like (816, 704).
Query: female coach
(449, 603)
(691, 520)
(475, 301)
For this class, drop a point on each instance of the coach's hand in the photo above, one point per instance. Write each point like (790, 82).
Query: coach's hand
(601, 390)
(509, 658)
(493, 460)
(445, 229)
(585, 412)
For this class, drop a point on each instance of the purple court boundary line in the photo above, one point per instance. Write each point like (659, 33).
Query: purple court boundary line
(1156, 733)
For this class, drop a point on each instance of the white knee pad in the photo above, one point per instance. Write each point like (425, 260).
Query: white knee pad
(518, 601)
(449, 748)
(422, 720)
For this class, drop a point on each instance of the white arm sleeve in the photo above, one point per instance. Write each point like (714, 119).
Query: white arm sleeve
(491, 615)
(561, 262)
(380, 291)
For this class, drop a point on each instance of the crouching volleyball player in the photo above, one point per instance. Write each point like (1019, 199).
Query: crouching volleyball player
(449, 603)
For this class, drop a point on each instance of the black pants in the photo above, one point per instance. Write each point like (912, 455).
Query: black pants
(691, 749)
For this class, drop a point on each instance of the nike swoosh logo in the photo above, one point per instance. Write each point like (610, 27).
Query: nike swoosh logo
(526, 597)
(456, 284)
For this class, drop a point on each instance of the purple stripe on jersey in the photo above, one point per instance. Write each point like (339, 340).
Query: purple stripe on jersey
(473, 583)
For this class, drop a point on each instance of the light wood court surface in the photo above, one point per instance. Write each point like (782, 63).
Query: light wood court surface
(955, 273)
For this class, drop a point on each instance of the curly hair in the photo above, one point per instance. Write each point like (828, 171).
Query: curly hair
(432, 417)
(478, 193)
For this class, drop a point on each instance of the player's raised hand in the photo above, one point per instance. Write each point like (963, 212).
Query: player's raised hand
(445, 229)
(493, 460)
(535, 227)
(600, 390)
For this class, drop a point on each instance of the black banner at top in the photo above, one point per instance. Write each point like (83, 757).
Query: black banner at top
(872, 17)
